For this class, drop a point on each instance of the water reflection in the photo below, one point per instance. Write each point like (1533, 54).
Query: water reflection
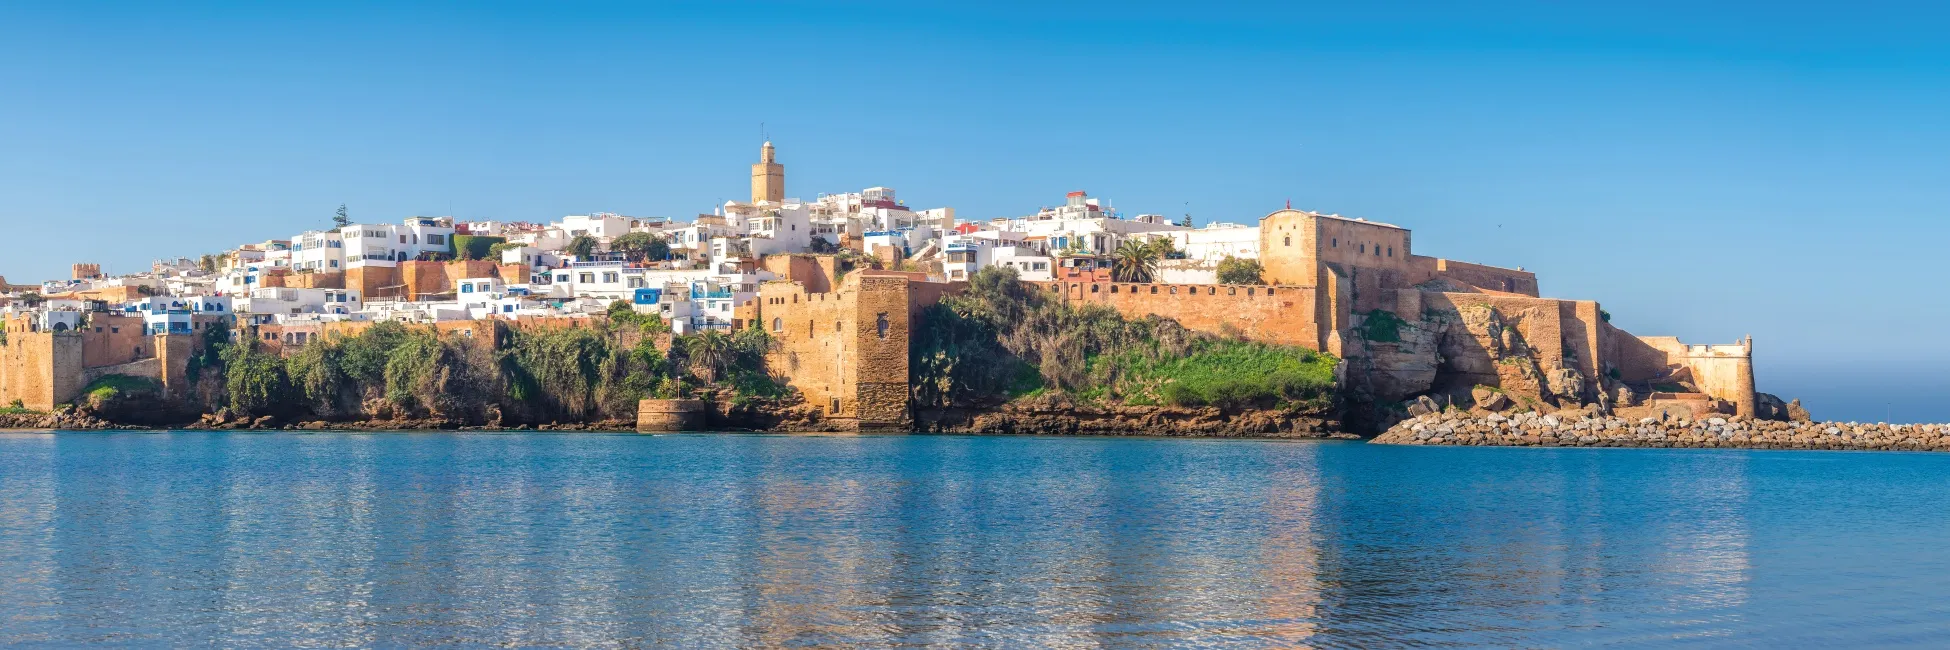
(742, 541)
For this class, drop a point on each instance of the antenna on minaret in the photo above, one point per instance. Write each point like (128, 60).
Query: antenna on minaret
(1289, 204)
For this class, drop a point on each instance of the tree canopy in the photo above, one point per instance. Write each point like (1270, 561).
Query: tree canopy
(1233, 270)
(641, 247)
(1134, 261)
(581, 246)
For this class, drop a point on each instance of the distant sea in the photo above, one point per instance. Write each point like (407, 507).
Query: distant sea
(284, 539)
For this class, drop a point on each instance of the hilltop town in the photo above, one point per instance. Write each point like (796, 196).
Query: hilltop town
(842, 287)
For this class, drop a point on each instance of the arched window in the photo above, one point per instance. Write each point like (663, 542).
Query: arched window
(880, 323)
(1289, 240)
(778, 324)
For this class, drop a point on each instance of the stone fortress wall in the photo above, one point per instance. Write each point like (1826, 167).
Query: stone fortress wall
(43, 369)
(846, 350)
(1406, 325)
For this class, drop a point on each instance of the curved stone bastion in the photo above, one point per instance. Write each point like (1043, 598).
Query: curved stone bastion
(1578, 430)
(669, 415)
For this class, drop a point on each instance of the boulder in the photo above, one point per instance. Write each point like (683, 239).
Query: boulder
(1490, 400)
(1423, 405)
(1796, 413)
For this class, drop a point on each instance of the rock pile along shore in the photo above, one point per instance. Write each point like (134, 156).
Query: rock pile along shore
(1583, 430)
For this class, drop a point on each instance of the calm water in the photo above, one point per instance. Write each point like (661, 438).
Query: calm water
(708, 541)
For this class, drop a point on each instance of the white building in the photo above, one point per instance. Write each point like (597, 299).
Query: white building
(318, 251)
(263, 304)
(387, 245)
(1216, 242)
(604, 226)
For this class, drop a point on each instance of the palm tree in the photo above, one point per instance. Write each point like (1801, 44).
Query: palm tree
(1134, 262)
(581, 246)
(709, 352)
(1164, 247)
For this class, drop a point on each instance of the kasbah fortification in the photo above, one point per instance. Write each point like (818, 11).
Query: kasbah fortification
(1406, 326)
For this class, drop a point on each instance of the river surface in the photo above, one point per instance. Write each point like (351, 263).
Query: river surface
(242, 539)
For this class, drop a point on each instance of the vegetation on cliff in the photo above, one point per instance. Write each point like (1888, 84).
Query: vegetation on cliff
(1002, 339)
(493, 375)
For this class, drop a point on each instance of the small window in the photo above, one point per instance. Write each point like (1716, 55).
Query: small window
(778, 324)
(1094, 288)
(1391, 251)
(1364, 248)
(880, 323)
(1113, 288)
(836, 406)
(1154, 289)
(1289, 240)
(1337, 242)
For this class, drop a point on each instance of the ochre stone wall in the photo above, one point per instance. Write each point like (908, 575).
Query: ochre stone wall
(1722, 371)
(40, 369)
(881, 364)
(1283, 314)
(174, 352)
(436, 280)
(312, 280)
(1294, 245)
(1479, 276)
(373, 281)
(110, 340)
(814, 272)
(846, 350)
(814, 348)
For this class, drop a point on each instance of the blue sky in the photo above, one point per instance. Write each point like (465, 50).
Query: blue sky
(1774, 169)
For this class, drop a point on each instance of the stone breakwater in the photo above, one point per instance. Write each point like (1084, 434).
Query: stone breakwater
(1580, 430)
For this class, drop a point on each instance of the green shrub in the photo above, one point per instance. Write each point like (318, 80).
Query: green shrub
(1002, 340)
(1382, 326)
(476, 247)
(255, 381)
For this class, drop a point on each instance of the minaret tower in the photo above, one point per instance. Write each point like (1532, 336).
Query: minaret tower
(768, 178)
